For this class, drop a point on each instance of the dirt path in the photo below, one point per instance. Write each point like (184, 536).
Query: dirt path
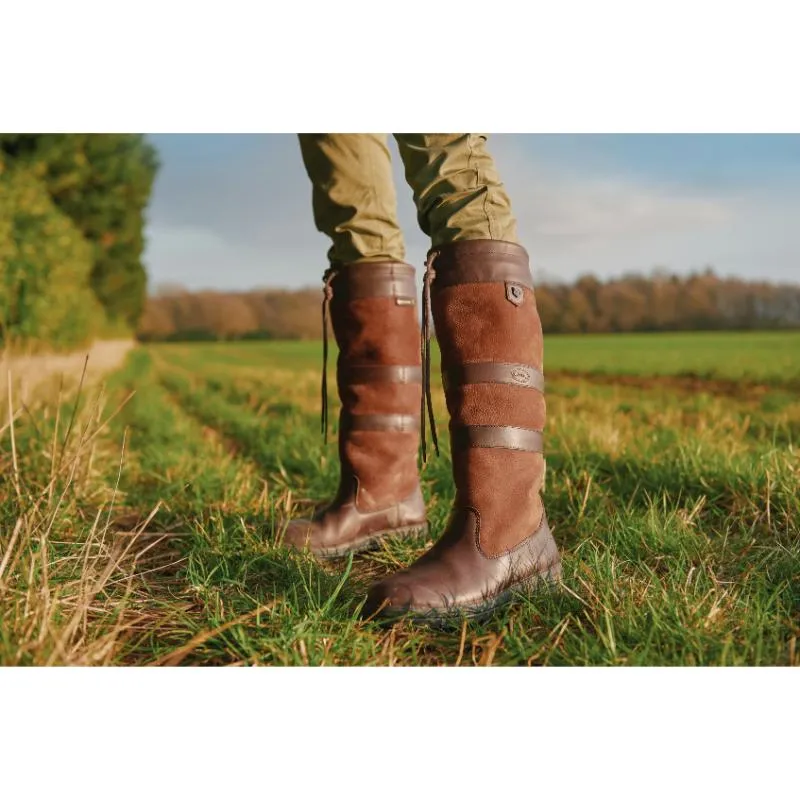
(27, 373)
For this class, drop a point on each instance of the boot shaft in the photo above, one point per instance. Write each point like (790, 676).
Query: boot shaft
(490, 337)
(373, 314)
(497, 540)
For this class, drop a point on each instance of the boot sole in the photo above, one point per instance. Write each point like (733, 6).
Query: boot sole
(373, 541)
(449, 616)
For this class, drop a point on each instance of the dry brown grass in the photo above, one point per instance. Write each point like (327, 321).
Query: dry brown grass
(74, 589)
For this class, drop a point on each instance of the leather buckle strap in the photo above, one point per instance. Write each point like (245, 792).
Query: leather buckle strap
(481, 261)
(504, 436)
(399, 423)
(357, 375)
(524, 375)
(357, 281)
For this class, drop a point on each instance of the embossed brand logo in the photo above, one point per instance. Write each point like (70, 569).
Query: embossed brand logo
(520, 375)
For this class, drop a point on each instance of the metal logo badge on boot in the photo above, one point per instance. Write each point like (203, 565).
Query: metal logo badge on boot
(514, 293)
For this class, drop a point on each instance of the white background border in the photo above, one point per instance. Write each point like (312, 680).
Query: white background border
(526, 66)
(355, 65)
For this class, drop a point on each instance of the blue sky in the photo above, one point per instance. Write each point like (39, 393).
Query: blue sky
(234, 211)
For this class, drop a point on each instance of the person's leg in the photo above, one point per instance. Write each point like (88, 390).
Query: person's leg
(490, 337)
(371, 296)
(456, 187)
(353, 196)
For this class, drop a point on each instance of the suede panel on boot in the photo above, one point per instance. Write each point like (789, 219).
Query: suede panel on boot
(380, 398)
(496, 404)
(508, 515)
(369, 331)
(476, 322)
(385, 463)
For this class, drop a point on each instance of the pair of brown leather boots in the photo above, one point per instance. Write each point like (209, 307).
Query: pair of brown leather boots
(480, 293)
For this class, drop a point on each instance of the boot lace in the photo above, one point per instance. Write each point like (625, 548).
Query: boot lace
(328, 277)
(425, 353)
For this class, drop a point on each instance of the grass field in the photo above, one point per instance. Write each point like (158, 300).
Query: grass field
(137, 519)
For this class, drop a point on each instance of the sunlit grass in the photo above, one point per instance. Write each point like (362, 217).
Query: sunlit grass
(148, 534)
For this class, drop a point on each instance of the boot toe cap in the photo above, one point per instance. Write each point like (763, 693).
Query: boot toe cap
(397, 595)
(297, 534)
(388, 598)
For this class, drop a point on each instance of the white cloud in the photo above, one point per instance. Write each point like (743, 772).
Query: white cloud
(603, 209)
(552, 202)
(614, 224)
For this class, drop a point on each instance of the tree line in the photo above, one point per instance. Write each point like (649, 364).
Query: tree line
(71, 235)
(655, 302)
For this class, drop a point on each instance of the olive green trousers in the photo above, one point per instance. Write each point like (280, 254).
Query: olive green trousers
(457, 191)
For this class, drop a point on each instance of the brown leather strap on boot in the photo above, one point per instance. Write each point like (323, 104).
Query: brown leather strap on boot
(372, 310)
(491, 343)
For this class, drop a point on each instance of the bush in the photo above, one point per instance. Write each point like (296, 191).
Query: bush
(103, 183)
(45, 267)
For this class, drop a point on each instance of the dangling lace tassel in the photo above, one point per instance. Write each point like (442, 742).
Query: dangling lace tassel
(328, 277)
(425, 352)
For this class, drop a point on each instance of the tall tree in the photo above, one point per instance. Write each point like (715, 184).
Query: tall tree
(103, 183)
(45, 267)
